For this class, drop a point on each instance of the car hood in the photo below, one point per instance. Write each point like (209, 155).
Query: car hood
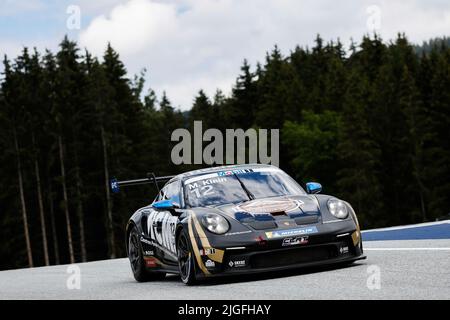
(273, 212)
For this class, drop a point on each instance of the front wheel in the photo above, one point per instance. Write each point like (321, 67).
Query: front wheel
(186, 263)
(136, 257)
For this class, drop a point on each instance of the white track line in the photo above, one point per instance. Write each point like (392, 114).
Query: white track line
(406, 249)
(411, 226)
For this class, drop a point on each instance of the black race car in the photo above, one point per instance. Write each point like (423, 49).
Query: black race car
(237, 219)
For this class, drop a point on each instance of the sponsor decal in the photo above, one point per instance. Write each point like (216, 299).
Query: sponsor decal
(237, 263)
(210, 264)
(343, 249)
(114, 186)
(291, 232)
(206, 182)
(267, 205)
(232, 172)
(154, 244)
(149, 253)
(143, 240)
(215, 174)
(161, 228)
(151, 262)
(291, 241)
(207, 251)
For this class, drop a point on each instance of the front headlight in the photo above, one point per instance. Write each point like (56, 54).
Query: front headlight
(215, 223)
(337, 208)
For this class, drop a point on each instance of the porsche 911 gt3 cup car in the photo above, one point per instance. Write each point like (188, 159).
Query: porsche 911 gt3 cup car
(237, 219)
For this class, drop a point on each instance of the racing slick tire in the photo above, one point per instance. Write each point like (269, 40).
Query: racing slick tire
(186, 259)
(140, 273)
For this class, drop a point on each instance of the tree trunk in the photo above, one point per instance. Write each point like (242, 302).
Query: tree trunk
(52, 221)
(22, 201)
(421, 190)
(418, 168)
(112, 245)
(40, 202)
(80, 213)
(66, 202)
(422, 207)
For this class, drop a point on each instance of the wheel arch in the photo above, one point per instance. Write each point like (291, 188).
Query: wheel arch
(178, 230)
(135, 221)
(129, 227)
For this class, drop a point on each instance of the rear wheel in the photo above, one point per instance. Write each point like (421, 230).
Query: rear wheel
(186, 263)
(136, 257)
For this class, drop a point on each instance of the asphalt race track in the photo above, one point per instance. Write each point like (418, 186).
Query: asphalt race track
(416, 266)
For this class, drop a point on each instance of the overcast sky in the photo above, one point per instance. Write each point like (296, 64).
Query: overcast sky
(188, 45)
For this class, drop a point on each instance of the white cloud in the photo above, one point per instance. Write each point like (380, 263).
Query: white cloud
(97, 6)
(419, 21)
(131, 27)
(189, 45)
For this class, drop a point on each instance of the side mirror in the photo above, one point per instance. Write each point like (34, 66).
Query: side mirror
(313, 187)
(165, 205)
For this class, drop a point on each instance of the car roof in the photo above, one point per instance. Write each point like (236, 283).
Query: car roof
(198, 172)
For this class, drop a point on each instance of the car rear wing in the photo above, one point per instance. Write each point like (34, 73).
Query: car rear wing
(151, 179)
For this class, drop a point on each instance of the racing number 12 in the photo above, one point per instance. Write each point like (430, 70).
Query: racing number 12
(203, 191)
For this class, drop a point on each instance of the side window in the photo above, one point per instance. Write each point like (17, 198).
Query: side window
(172, 191)
(160, 195)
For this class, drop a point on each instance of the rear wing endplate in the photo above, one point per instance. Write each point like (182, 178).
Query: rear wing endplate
(151, 179)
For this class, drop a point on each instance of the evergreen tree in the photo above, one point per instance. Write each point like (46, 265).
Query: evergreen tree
(15, 115)
(240, 111)
(438, 146)
(311, 146)
(358, 178)
(272, 90)
(417, 123)
(48, 94)
(67, 112)
(202, 111)
(36, 111)
(390, 128)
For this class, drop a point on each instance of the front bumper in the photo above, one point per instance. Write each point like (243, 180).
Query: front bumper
(341, 246)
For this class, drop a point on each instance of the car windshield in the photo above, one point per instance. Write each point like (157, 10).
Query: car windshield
(236, 186)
